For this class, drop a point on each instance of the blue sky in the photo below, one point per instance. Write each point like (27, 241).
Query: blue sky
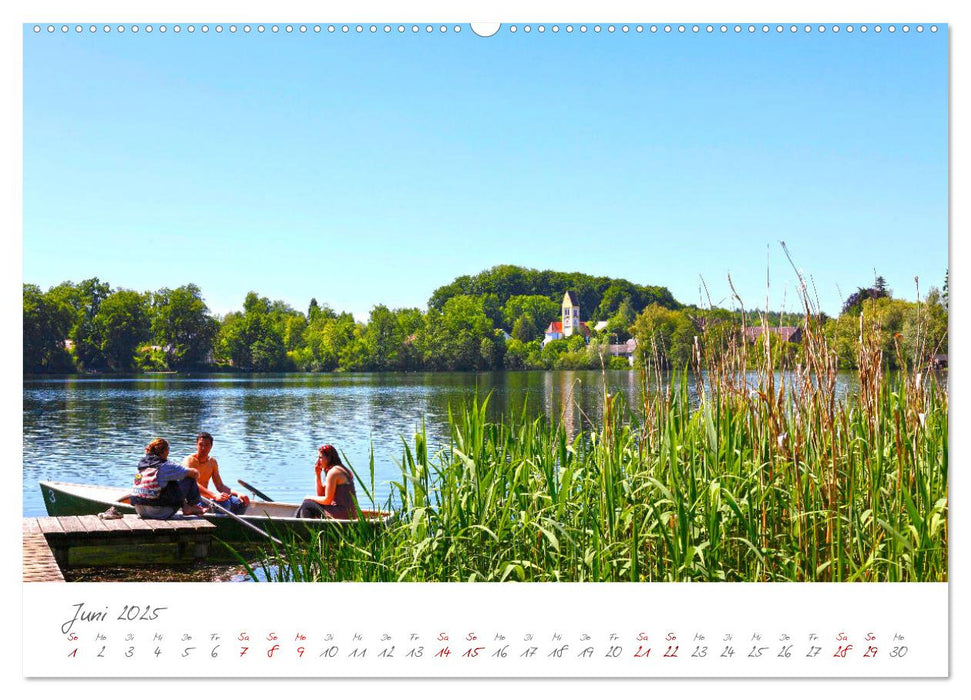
(366, 169)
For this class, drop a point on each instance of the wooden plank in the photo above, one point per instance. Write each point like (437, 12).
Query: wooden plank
(39, 564)
(159, 525)
(50, 526)
(118, 525)
(31, 527)
(195, 524)
(71, 524)
(136, 524)
(92, 523)
(182, 525)
(40, 560)
(32, 542)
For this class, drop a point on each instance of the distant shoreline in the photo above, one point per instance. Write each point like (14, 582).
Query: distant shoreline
(231, 371)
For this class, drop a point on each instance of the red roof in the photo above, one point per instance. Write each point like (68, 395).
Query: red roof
(557, 327)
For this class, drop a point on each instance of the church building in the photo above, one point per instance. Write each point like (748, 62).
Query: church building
(569, 322)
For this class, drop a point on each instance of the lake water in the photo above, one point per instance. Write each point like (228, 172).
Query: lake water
(267, 427)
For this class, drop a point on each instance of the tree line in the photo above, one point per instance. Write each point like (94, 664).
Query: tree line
(490, 321)
(494, 320)
(904, 332)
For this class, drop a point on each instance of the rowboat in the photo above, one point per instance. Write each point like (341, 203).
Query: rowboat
(61, 499)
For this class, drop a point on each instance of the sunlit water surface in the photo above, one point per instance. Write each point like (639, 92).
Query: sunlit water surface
(267, 427)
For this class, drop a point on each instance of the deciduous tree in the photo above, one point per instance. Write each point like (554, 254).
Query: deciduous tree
(183, 327)
(121, 324)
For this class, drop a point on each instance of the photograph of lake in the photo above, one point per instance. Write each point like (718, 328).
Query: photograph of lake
(486, 303)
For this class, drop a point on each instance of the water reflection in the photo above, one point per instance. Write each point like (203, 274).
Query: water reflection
(267, 427)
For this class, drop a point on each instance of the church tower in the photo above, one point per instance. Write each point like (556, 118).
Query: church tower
(571, 314)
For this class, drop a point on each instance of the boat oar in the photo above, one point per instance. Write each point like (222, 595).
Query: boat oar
(255, 491)
(238, 519)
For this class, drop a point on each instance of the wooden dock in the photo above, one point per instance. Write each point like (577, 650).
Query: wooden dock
(39, 562)
(48, 542)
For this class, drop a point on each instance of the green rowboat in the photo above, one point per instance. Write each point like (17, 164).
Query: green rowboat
(275, 518)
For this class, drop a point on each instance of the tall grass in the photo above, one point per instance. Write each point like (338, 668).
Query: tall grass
(722, 475)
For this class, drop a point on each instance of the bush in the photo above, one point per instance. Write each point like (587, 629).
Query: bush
(618, 363)
(150, 359)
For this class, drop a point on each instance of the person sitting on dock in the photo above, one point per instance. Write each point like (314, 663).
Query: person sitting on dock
(208, 468)
(336, 496)
(161, 487)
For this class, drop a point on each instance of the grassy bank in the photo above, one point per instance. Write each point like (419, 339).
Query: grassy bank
(757, 481)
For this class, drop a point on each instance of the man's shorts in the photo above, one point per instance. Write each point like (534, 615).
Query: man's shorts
(233, 504)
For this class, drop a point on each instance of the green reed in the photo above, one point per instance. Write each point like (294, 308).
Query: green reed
(719, 476)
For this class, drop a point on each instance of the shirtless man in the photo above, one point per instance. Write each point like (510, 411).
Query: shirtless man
(208, 468)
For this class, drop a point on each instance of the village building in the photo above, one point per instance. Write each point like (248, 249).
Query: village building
(626, 350)
(569, 322)
(789, 334)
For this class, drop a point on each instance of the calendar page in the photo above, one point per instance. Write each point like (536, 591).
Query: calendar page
(571, 344)
(669, 630)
